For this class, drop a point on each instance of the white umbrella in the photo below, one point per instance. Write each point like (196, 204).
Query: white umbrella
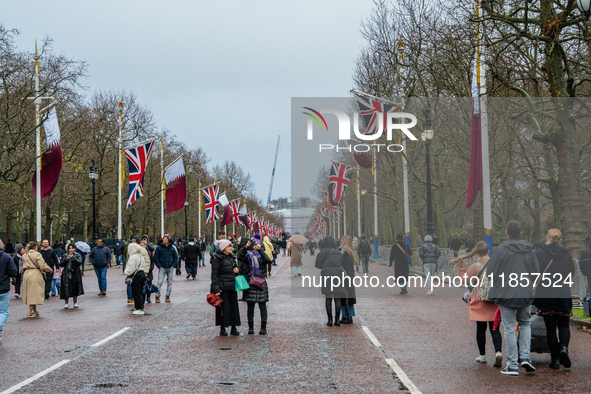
(83, 247)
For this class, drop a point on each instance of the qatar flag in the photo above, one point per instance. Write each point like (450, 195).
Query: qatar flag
(176, 186)
(228, 217)
(51, 160)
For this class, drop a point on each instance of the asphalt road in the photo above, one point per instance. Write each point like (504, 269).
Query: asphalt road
(398, 343)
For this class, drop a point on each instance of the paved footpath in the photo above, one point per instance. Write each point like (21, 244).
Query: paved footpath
(399, 343)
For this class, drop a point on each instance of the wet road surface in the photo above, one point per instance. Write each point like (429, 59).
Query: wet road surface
(397, 343)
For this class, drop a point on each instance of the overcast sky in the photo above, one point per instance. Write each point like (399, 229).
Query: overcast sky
(219, 75)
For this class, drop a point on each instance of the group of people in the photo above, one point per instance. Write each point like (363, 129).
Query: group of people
(512, 305)
(252, 264)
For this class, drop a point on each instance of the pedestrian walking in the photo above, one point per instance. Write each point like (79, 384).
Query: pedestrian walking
(268, 249)
(166, 259)
(455, 245)
(429, 253)
(99, 257)
(469, 245)
(192, 252)
(555, 303)
(50, 257)
(295, 262)
(148, 270)
(18, 279)
(117, 252)
(348, 261)
(202, 249)
(329, 262)
(585, 263)
(180, 249)
(133, 240)
(7, 270)
(56, 283)
(399, 255)
(135, 271)
(34, 272)
(71, 277)
(481, 312)
(224, 269)
(364, 251)
(253, 261)
(514, 257)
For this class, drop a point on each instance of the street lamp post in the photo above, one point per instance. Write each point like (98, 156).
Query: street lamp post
(186, 226)
(426, 136)
(93, 176)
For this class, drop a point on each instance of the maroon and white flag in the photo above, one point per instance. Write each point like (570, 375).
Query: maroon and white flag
(51, 160)
(227, 217)
(176, 186)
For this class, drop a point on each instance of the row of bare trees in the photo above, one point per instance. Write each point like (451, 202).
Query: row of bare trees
(89, 125)
(537, 60)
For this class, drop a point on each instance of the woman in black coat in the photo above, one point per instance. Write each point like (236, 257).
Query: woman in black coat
(329, 260)
(252, 261)
(348, 263)
(71, 277)
(399, 255)
(555, 303)
(223, 273)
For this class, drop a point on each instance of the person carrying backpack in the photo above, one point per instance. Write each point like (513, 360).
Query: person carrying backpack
(364, 251)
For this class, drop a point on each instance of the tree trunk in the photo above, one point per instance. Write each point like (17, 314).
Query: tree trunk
(9, 225)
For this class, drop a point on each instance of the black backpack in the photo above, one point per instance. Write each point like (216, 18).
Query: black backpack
(364, 247)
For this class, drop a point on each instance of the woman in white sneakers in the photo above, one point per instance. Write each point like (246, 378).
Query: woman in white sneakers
(482, 312)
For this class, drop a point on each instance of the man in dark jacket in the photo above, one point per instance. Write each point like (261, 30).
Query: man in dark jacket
(585, 262)
(166, 259)
(192, 252)
(429, 253)
(9, 248)
(99, 257)
(364, 250)
(202, 248)
(455, 245)
(7, 270)
(51, 260)
(399, 255)
(469, 245)
(180, 249)
(514, 258)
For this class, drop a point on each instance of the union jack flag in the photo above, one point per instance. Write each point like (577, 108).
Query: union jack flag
(324, 211)
(210, 199)
(370, 112)
(338, 180)
(137, 158)
(235, 207)
(318, 223)
(330, 202)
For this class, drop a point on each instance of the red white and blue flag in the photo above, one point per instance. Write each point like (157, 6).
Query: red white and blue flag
(210, 201)
(338, 180)
(328, 200)
(137, 160)
(235, 207)
(372, 113)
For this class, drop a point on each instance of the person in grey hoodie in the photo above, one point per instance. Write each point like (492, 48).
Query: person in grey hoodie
(514, 258)
(429, 253)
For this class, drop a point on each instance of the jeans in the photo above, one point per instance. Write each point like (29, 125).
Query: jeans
(129, 293)
(429, 270)
(55, 287)
(192, 269)
(101, 274)
(4, 303)
(364, 263)
(510, 317)
(297, 270)
(162, 272)
(201, 262)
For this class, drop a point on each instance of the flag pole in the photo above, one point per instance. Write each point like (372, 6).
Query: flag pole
(38, 147)
(344, 218)
(163, 185)
(376, 254)
(358, 205)
(406, 197)
(486, 199)
(199, 197)
(120, 183)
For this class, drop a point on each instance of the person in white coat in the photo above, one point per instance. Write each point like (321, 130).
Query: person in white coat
(135, 269)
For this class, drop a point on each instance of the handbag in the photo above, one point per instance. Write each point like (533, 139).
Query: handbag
(536, 283)
(408, 258)
(484, 287)
(257, 282)
(466, 297)
(241, 283)
(214, 299)
(43, 272)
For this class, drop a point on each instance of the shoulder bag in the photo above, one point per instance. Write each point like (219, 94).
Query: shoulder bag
(408, 258)
(536, 283)
(466, 297)
(43, 272)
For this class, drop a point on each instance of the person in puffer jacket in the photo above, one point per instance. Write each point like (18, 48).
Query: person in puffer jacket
(429, 253)
(224, 270)
(135, 268)
(329, 260)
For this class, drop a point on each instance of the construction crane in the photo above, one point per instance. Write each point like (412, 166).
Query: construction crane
(273, 174)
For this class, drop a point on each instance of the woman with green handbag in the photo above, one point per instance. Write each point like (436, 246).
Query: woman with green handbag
(224, 271)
